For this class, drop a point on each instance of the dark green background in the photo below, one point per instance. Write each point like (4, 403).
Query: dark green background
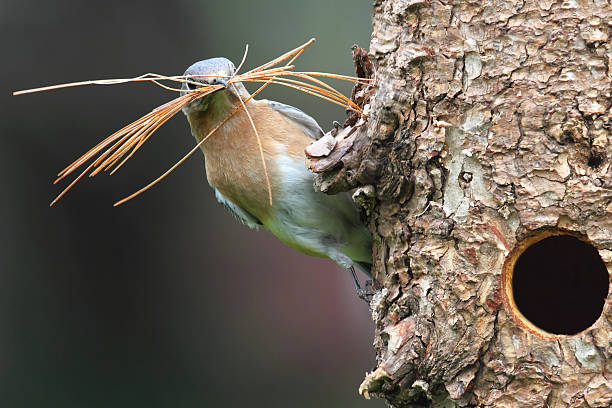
(166, 301)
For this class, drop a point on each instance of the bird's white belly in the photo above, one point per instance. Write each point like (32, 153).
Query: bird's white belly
(315, 223)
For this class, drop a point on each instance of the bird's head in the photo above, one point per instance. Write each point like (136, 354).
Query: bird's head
(212, 71)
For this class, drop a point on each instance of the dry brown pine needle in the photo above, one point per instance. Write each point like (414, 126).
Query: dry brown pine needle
(111, 153)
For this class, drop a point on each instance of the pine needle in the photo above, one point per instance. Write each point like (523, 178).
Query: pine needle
(114, 151)
(263, 159)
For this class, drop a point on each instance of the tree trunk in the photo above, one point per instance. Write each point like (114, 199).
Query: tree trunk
(484, 170)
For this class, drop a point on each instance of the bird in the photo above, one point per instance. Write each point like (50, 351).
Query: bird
(314, 223)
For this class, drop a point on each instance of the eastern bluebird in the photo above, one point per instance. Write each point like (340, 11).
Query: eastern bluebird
(314, 223)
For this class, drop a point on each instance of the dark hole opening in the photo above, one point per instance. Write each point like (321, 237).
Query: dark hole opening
(595, 159)
(560, 284)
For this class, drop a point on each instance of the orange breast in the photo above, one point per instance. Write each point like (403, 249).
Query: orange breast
(232, 155)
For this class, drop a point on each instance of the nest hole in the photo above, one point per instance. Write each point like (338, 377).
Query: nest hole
(558, 284)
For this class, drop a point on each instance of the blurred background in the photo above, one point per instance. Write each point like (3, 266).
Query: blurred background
(166, 301)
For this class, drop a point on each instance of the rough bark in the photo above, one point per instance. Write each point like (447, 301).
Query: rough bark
(489, 122)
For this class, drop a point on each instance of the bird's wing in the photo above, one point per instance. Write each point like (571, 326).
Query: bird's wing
(238, 212)
(310, 126)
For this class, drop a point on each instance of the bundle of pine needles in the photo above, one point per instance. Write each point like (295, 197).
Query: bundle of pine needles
(111, 153)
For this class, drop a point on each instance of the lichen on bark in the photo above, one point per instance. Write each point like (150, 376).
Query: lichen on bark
(489, 121)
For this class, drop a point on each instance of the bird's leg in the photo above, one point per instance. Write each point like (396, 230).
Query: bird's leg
(365, 294)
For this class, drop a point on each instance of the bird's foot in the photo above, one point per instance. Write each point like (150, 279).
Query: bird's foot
(366, 293)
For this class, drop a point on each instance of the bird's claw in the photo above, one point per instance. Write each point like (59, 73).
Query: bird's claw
(366, 293)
